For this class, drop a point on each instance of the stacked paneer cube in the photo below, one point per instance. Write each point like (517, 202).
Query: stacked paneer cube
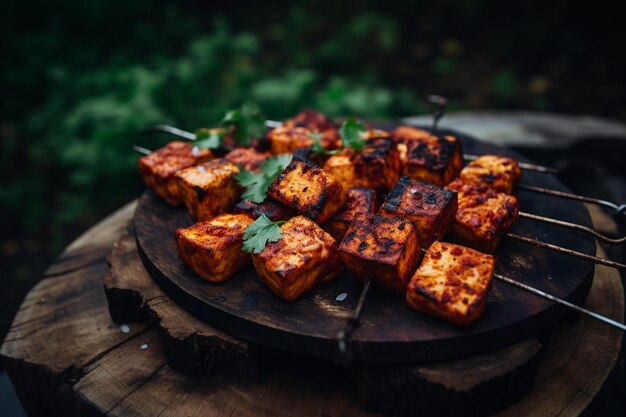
(333, 216)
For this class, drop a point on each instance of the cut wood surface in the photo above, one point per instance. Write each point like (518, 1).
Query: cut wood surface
(67, 357)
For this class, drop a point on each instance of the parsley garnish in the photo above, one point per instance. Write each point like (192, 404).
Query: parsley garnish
(209, 138)
(259, 233)
(350, 133)
(317, 148)
(257, 184)
(247, 123)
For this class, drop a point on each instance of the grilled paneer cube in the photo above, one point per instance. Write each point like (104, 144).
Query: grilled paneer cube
(289, 139)
(248, 158)
(435, 159)
(158, 168)
(360, 200)
(305, 256)
(274, 210)
(308, 189)
(451, 283)
(429, 207)
(212, 249)
(375, 167)
(500, 173)
(404, 134)
(311, 120)
(384, 248)
(483, 216)
(209, 189)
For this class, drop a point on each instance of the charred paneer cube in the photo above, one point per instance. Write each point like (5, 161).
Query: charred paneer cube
(312, 120)
(483, 215)
(404, 134)
(308, 189)
(248, 158)
(274, 210)
(286, 139)
(209, 189)
(430, 208)
(498, 172)
(375, 167)
(305, 256)
(384, 248)
(360, 200)
(212, 249)
(158, 168)
(435, 159)
(452, 283)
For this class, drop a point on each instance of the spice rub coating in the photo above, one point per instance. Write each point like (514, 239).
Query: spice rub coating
(483, 215)
(430, 208)
(158, 168)
(308, 189)
(452, 283)
(304, 257)
(209, 189)
(212, 249)
(384, 248)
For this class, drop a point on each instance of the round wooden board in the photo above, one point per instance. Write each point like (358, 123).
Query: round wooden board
(389, 331)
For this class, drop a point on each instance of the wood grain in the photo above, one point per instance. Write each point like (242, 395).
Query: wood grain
(389, 332)
(66, 357)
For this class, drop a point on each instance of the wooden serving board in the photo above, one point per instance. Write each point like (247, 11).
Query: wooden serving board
(389, 331)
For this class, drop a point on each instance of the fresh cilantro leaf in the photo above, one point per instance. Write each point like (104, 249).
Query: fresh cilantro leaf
(317, 148)
(247, 123)
(259, 233)
(350, 133)
(277, 163)
(209, 138)
(257, 184)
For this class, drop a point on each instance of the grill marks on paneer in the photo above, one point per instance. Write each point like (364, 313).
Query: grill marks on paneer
(452, 283)
(296, 133)
(247, 158)
(212, 249)
(483, 216)
(375, 167)
(209, 189)
(308, 189)
(500, 173)
(360, 200)
(428, 157)
(385, 248)
(430, 208)
(304, 257)
(158, 168)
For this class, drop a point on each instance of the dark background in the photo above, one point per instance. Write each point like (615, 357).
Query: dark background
(79, 79)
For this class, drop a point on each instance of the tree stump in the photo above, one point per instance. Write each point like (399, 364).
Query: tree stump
(66, 356)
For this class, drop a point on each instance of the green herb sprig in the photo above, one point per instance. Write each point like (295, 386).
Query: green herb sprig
(209, 138)
(350, 132)
(259, 233)
(246, 122)
(257, 184)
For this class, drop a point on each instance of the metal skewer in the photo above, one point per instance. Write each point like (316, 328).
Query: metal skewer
(344, 336)
(566, 251)
(171, 130)
(142, 150)
(560, 301)
(574, 226)
(604, 203)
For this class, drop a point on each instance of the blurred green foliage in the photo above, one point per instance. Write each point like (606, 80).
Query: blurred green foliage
(81, 79)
